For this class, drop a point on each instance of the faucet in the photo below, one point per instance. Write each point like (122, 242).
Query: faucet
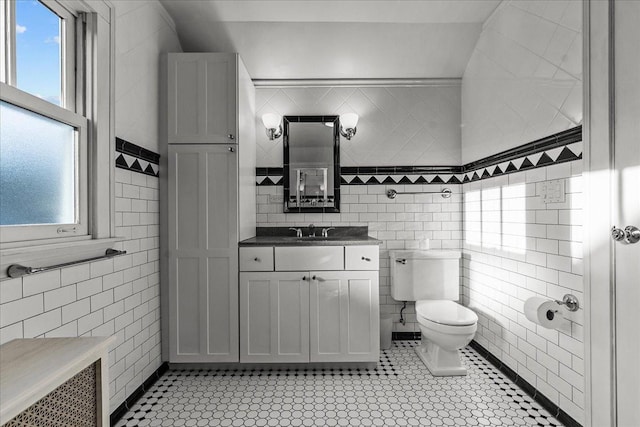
(325, 231)
(312, 230)
(297, 230)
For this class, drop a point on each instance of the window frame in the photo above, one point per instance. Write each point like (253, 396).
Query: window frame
(69, 112)
(95, 100)
(70, 41)
(18, 233)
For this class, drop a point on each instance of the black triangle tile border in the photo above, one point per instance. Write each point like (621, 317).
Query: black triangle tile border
(522, 156)
(138, 159)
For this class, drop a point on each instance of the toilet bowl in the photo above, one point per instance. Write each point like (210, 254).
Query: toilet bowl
(432, 279)
(445, 328)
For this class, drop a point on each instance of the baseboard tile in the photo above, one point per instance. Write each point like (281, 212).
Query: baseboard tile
(137, 394)
(547, 404)
(403, 336)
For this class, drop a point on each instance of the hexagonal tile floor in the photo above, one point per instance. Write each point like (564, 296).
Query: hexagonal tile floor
(399, 392)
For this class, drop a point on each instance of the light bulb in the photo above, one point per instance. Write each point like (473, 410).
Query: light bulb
(271, 121)
(349, 120)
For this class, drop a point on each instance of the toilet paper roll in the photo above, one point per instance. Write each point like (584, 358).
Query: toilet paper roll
(544, 312)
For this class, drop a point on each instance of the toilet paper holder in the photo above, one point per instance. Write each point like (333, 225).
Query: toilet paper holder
(570, 301)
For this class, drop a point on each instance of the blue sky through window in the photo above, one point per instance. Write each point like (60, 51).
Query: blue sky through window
(38, 55)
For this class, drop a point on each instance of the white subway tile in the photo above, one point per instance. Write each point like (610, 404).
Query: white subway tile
(547, 217)
(559, 384)
(571, 281)
(42, 323)
(561, 263)
(11, 332)
(68, 330)
(101, 300)
(59, 297)
(90, 321)
(100, 268)
(76, 310)
(547, 390)
(123, 205)
(10, 290)
(21, 309)
(41, 282)
(130, 191)
(89, 287)
(572, 345)
(123, 176)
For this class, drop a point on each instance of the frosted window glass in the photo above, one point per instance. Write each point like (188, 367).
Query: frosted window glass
(37, 169)
(38, 53)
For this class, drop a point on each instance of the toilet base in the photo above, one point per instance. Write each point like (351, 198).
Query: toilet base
(439, 361)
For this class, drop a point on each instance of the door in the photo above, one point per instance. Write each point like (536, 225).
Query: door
(274, 317)
(202, 98)
(612, 198)
(344, 316)
(627, 209)
(203, 254)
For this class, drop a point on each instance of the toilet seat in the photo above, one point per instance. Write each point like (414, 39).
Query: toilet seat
(446, 313)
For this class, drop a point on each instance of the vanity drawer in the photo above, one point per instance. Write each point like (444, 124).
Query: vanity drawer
(361, 257)
(256, 259)
(300, 258)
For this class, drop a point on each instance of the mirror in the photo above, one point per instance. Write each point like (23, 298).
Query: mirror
(311, 164)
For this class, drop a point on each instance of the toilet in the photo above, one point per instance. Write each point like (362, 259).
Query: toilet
(431, 278)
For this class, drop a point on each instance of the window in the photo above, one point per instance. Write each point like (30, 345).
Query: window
(43, 132)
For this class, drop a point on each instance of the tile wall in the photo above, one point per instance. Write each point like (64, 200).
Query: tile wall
(118, 296)
(418, 125)
(523, 80)
(144, 31)
(401, 223)
(517, 246)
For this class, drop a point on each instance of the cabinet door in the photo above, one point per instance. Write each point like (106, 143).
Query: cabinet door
(274, 317)
(202, 98)
(344, 316)
(203, 254)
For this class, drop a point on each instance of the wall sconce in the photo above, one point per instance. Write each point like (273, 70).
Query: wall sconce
(348, 124)
(272, 125)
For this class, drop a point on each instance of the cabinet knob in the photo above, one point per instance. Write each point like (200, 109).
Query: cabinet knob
(304, 278)
(364, 258)
(313, 278)
(256, 259)
(230, 136)
(231, 149)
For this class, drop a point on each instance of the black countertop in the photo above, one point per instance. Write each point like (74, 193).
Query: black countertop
(282, 236)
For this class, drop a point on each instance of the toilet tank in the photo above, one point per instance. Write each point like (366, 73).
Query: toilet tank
(425, 274)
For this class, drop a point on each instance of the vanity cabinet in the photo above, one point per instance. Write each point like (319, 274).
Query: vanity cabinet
(344, 316)
(274, 317)
(211, 202)
(304, 306)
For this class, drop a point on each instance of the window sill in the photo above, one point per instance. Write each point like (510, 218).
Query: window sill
(54, 253)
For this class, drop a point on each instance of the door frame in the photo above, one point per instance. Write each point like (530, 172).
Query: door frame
(599, 251)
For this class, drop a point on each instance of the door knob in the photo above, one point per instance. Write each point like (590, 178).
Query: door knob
(631, 234)
(617, 234)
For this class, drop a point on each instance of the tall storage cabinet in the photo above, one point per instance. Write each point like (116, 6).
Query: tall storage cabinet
(211, 174)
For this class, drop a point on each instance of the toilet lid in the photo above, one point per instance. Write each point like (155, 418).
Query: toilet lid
(446, 312)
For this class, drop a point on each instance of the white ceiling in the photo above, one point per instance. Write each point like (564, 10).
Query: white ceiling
(336, 39)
